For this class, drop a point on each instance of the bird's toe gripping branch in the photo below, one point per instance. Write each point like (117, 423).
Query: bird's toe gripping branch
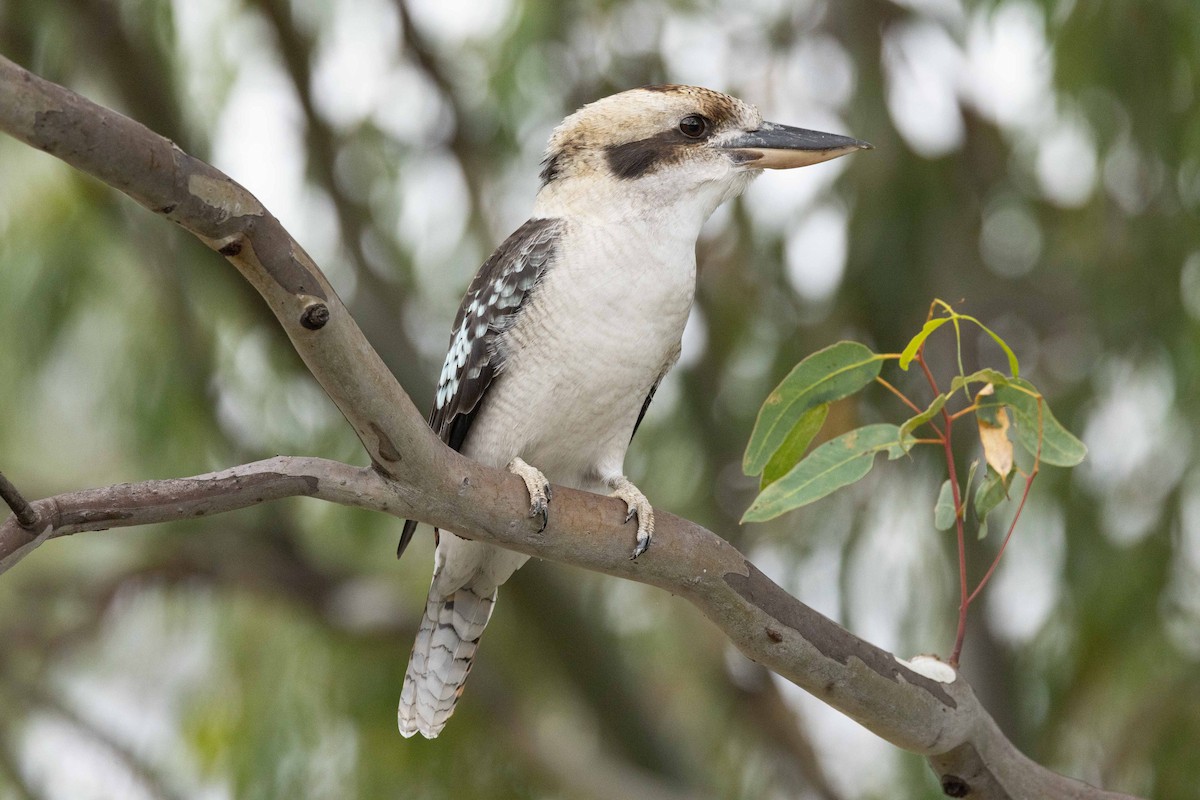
(538, 488)
(638, 507)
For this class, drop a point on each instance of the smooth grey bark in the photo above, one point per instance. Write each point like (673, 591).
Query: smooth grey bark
(413, 475)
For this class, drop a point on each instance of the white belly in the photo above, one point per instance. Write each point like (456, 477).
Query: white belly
(582, 357)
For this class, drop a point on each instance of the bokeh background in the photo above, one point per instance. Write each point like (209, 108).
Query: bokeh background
(1036, 163)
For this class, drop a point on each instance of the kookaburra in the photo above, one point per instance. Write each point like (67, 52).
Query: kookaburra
(569, 326)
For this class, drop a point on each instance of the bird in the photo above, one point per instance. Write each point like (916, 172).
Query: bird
(569, 326)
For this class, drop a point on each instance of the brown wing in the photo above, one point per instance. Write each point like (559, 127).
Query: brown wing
(491, 305)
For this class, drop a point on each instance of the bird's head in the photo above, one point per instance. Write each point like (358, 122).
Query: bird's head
(670, 149)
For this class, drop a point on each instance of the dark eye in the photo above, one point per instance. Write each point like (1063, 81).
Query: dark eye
(693, 126)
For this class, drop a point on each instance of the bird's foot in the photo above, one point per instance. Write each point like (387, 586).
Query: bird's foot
(538, 488)
(639, 507)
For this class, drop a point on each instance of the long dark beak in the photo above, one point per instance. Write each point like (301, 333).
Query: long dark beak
(775, 146)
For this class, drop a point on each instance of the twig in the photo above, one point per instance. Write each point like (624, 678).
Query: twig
(26, 517)
(903, 397)
(1012, 526)
(173, 499)
(947, 446)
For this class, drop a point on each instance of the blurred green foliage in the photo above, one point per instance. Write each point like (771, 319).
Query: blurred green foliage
(1036, 163)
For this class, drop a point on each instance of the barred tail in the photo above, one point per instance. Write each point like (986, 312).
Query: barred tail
(441, 659)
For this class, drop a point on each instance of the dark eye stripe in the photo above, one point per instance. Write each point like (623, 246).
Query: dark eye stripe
(638, 158)
(635, 159)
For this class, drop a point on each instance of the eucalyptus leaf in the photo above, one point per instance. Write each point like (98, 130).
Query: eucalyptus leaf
(914, 344)
(992, 491)
(987, 375)
(829, 374)
(793, 447)
(944, 510)
(935, 408)
(1059, 447)
(837, 463)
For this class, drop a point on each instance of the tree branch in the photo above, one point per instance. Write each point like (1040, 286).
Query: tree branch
(415, 475)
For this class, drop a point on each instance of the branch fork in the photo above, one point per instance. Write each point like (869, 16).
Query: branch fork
(416, 476)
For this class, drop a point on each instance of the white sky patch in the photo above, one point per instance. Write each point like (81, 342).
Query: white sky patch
(460, 21)
(815, 253)
(999, 62)
(857, 762)
(92, 772)
(1026, 586)
(259, 138)
(149, 656)
(434, 208)
(1009, 65)
(817, 578)
(897, 568)
(777, 198)
(695, 51)
(269, 414)
(354, 58)
(922, 64)
(209, 37)
(1138, 445)
(1121, 433)
(633, 27)
(1066, 162)
(819, 72)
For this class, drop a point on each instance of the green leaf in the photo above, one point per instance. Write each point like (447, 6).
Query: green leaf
(826, 375)
(944, 511)
(966, 493)
(910, 352)
(914, 344)
(837, 463)
(912, 423)
(1059, 447)
(992, 376)
(793, 447)
(1013, 366)
(901, 447)
(992, 492)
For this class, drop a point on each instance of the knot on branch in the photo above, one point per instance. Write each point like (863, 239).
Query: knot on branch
(954, 786)
(315, 316)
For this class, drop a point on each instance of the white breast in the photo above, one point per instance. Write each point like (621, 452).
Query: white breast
(594, 337)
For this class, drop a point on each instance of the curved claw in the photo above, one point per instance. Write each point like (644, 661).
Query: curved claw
(538, 488)
(542, 509)
(638, 506)
(642, 546)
